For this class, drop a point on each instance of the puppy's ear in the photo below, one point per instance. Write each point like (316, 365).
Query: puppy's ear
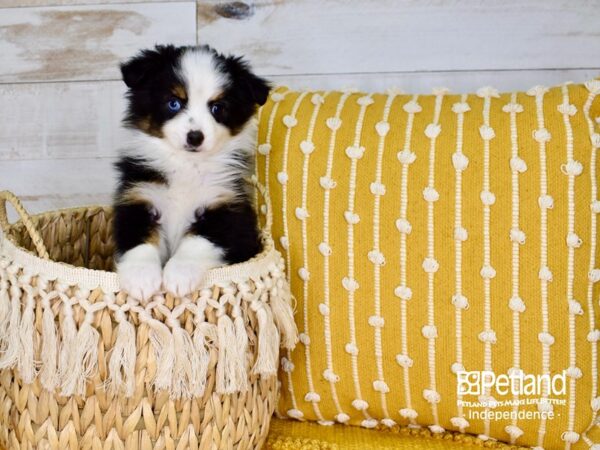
(141, 67)
(258, 87)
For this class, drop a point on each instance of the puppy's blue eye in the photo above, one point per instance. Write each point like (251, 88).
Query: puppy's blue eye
(216, 109)
(174, 105)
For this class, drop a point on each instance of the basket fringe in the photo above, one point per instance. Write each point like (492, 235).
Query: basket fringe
(88, 338)
(203, 334)
(26, 363)
(268, 341)
(164, 351)
(82, 359)
(283, 315)
(4, 313)
(49, 376)
(241, 344)
(68, 334)
(11, 352)
(121, 367)
(187, 364)
(228, 356)
(68, 347)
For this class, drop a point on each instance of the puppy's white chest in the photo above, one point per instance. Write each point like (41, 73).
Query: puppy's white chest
(189, 190)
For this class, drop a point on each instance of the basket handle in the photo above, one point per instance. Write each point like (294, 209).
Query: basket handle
(263, 192)
(9, 197)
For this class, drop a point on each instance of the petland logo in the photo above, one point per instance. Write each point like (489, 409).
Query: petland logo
(515, 383)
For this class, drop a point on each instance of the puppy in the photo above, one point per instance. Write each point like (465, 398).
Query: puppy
(183, 201)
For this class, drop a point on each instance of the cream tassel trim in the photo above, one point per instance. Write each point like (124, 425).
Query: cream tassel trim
(186, 370)
(283, 314)
(82, 357)
(268, 341)
(204, 337)
(163, 344)
(68, 332)
(232, 345)
(204, 334)
(10, 356)
(228, 355)
(121, 367)
(49, 377)
(241, 339)
(68, 352)
(4, 313)
(26, 363)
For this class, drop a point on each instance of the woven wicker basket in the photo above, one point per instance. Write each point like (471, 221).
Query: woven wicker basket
(84, 366)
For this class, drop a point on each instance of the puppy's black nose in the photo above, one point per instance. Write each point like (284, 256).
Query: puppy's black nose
(195, 138)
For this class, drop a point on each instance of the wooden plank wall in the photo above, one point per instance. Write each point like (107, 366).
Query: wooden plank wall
(62, 99)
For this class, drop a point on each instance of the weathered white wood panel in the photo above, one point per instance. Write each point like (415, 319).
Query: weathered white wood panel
(22, 3)
(424, 82)
(331, 36)
(86, 42)
(60, 120)
(51, 184)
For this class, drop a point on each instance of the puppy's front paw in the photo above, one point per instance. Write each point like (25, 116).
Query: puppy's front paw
(139, 272)
(185, 270)
(182, 276)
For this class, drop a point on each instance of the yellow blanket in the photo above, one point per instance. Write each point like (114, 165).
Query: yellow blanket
(292, 435)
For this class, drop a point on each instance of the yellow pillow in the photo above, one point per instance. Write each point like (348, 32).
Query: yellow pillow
(443, 251)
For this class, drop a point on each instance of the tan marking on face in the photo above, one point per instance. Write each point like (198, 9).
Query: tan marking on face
(145, 124)
(179, 91)
(218, 96)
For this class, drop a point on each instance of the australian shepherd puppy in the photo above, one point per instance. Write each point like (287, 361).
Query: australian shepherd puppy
(183, 203)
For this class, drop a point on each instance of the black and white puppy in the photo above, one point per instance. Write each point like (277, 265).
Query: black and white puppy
(183, 201)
